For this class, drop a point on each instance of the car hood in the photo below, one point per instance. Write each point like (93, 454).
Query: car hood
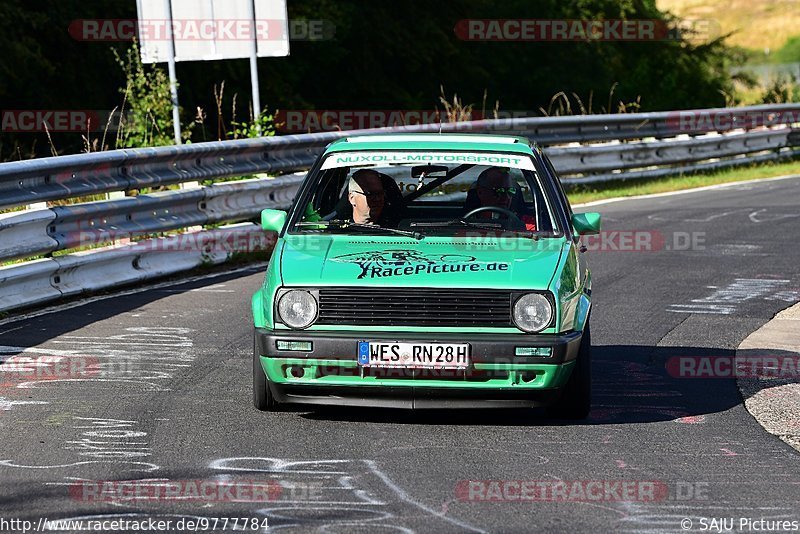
(344, 260)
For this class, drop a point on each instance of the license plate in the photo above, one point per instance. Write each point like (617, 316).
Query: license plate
(409, 355)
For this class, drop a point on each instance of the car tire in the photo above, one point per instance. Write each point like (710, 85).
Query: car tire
(263, 399)
(576, 397)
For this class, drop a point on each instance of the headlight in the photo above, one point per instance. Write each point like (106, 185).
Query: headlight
(297, 309)
(532, 312)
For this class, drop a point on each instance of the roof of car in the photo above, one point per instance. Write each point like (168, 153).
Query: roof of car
(410, 141)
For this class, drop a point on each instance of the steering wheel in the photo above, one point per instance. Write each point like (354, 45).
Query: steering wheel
(512, 217)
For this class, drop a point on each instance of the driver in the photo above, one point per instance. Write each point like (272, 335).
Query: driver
(496, 188)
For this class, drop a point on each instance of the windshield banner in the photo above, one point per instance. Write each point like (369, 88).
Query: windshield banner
(364, 158)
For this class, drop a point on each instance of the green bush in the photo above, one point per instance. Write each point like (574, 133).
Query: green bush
(261, 126)
(782, 89)
(146, 113)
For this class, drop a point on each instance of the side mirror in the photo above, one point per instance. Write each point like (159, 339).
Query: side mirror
(586, 223)
(273, 220)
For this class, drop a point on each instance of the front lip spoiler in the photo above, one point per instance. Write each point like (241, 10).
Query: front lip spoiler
(485, 347)
(411, 398)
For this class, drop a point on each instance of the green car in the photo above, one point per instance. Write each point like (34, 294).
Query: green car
(427, 271)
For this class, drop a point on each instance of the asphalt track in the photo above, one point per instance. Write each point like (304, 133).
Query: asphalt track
(161, 392)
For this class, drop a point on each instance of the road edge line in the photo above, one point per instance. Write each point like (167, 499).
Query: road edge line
(684, 191)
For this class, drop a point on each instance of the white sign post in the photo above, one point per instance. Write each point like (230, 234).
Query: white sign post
(210, 30)
(173, 78)
(254, 70)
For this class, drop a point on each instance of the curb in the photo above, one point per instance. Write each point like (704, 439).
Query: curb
(775, 401)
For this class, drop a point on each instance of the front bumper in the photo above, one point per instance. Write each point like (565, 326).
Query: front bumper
(330, 374)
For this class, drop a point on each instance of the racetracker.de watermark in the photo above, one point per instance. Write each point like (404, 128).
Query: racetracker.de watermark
(207, 242)
(61, 120)
(527, 491)
(572, 30)
(328, 120)
(154, 30)
(110, 523)
(721, 120)
(606, 241)
(20, 369)
(176, 490)
(749, 366)
(643, 241)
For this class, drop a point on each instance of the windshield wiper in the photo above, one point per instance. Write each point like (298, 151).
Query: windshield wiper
(457, 222)
(339, 224)
(478, 225)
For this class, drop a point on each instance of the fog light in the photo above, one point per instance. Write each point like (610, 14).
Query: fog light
(528, 377)
(301, 346)
(534, 351)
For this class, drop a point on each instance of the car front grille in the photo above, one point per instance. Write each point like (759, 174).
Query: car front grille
(414, 307)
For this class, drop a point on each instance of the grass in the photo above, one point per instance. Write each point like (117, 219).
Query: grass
(759, 24)
(789, 53)
(12, 210)
(626, 188)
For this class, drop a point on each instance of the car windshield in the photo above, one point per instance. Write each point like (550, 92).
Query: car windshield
(426, 193)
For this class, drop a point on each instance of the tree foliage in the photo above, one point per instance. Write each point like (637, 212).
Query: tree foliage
(384, 55)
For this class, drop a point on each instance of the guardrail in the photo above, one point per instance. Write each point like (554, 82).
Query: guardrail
(49, 279)
(654, 158)
(72, 176)
(586, 149)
